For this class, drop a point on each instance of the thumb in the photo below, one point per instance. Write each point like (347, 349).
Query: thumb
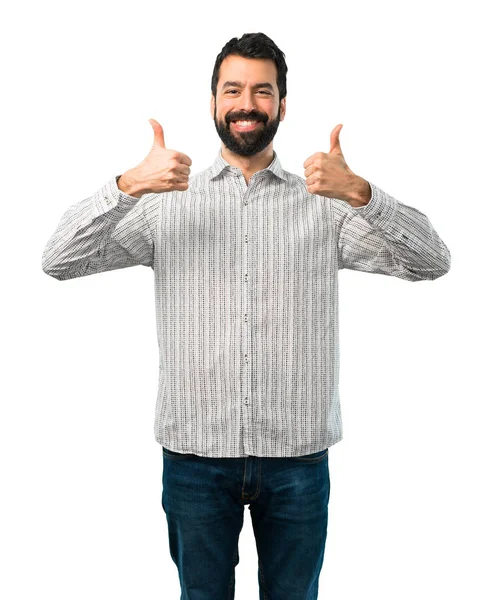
(158, 133)
(335, 143)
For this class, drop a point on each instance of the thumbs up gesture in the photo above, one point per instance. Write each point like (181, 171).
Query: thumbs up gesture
(329, 175)
(162, 170)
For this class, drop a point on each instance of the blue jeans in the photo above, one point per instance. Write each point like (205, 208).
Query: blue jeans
(204, 500)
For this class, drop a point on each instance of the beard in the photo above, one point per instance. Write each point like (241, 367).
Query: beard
(247, 143)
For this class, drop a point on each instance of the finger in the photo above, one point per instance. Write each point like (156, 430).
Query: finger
(183, 170)
(182, 179)
(158, 133)
(312, 179)
(310, 169)
(184, 159)
(335, 143)
(310, 160)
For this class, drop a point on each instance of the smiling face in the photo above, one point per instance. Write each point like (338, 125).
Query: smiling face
(247, 91)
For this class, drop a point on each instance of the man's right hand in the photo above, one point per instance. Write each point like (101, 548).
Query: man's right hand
(162, 170)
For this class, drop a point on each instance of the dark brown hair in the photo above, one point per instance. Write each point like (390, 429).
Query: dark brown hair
(253, 45)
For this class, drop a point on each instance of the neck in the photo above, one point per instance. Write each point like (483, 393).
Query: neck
(249, 164)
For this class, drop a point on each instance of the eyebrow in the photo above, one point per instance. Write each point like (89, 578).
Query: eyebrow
(264, 84)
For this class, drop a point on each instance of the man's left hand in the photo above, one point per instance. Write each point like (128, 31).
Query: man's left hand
(329, 175)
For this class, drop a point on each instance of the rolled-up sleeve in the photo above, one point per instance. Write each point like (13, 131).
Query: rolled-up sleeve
(388, 237)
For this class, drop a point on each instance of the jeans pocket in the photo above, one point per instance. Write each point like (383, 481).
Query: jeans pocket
(311, 458)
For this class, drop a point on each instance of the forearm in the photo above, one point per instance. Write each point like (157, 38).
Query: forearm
(82, 242)
(390, 237)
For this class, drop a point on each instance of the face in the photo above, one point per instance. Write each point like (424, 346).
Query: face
(247, 101)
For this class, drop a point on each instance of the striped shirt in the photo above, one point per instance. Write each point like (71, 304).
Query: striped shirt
(246, 293)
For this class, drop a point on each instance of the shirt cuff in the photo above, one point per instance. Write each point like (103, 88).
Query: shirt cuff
(380, 209)
(109, 200)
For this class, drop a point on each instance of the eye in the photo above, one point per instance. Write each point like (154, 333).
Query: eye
(261, 91)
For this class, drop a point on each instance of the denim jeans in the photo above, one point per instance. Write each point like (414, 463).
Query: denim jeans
(204, 500)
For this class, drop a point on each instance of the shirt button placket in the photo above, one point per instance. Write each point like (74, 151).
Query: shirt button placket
(245, 320)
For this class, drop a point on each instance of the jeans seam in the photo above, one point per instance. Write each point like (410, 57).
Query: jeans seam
(262, 577)
(231, 588)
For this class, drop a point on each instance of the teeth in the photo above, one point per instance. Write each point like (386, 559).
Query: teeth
(245, 123)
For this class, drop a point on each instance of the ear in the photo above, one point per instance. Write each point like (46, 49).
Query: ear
(212, 104)
(283, 108)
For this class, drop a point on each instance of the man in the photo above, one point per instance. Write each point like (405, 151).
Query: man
(246, 258)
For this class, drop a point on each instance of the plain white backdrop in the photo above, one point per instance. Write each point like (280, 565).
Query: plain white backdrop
(81, 472)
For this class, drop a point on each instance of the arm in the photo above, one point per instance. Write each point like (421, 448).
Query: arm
(109, 230)
(387, 237)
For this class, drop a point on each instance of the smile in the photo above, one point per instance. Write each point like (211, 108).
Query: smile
(245, 125)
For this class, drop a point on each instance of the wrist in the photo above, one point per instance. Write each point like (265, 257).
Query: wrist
(361, 193)
(126, 184)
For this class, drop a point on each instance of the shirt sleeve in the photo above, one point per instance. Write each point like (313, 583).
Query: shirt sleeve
(388, 237)
(109, 230)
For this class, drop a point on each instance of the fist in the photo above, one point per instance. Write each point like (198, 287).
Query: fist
(162, 170)
(327, 174)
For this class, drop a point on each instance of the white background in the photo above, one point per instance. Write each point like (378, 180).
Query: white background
(80, 505)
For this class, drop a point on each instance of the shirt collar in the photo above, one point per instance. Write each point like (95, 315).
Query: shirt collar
(220, 165)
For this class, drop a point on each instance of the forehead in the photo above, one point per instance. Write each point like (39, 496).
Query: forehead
(248, 71)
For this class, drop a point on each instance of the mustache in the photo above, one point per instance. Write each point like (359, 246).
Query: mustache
(249, 117)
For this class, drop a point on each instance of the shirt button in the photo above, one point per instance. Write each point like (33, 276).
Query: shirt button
(246, 400)
(246, 317)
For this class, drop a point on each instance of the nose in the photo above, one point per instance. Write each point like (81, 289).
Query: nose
(246, 101)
